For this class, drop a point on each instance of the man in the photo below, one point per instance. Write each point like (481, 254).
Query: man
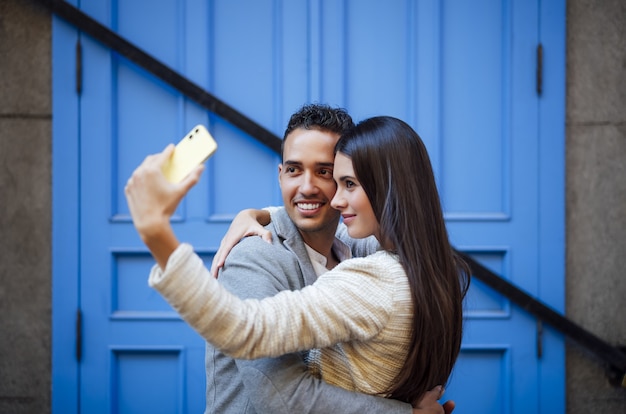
(304, 246)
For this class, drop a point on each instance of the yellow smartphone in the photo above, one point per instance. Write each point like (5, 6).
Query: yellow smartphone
(194, 149)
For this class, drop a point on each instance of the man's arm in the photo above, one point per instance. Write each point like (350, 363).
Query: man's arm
(284, 385)
(266, 388)
(359, 247)
(250, 222)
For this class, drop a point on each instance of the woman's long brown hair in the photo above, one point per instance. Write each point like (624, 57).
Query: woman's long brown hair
(392, 164)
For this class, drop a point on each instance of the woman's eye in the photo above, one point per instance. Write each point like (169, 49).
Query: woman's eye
(350, 184)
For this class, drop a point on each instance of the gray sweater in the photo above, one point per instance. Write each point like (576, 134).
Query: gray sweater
(282, 384)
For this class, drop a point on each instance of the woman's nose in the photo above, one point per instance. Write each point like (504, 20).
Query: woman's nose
(338, 202)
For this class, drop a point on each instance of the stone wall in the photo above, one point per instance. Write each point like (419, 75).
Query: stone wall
(596, 194)
(25, 207)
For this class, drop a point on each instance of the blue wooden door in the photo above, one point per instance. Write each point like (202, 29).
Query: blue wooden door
(463, 74)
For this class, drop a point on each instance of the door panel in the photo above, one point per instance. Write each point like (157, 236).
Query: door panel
(461, 74)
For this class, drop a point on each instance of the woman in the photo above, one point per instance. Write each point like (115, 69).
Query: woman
(388, 324)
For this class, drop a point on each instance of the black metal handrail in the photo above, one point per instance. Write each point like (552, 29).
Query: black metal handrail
(612, 356)
(131, 52)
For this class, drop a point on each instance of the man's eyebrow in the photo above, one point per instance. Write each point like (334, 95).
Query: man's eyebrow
(319, 164)
(290, 162)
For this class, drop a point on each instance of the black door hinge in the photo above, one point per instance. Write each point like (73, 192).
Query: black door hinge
(539, 69)
(539, 338)
(79, 67)
(79, 335)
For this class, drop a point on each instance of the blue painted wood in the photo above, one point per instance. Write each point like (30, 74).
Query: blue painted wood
(551, 246)
(461, 74)
(65, 220)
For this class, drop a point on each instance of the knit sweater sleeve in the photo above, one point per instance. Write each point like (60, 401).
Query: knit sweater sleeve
(351, 302)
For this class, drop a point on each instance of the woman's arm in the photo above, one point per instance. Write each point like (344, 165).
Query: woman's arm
(349, 302)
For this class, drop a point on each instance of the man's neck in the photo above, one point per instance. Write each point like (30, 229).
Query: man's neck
(322, 242)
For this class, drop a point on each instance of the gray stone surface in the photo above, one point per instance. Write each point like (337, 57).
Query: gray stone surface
(25, 63)
(596, 62)
(589, 392)
(25, 208)
(596, 223)
(596, 195)
(25, 274)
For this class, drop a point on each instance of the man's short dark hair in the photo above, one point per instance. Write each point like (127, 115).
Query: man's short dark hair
(321, 117)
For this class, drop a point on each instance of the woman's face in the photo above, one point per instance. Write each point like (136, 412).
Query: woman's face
(351, 200)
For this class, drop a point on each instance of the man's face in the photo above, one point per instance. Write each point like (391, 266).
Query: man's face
(306, 180)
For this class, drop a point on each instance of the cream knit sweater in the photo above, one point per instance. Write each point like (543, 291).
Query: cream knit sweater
(358, 315)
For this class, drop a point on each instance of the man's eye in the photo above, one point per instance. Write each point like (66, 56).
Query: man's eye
(291, 170)
(326, 172)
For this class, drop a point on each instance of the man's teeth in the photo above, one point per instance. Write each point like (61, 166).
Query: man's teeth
(309, 206)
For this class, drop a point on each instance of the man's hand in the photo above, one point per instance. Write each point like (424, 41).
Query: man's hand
(448, 406)
(247, 222)
(429, 404)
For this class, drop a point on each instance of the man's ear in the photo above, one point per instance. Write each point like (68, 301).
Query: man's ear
(280, 170)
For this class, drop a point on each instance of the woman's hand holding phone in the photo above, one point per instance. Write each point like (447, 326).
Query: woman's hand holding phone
(153, 198)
